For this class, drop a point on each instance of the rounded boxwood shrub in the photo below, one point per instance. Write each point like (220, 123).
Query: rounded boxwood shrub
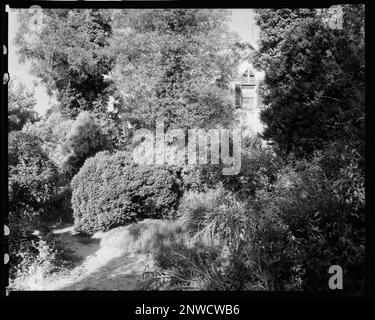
(110, 191)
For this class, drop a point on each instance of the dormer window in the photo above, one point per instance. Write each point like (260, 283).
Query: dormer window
(248, 77)
(248, 89)
(245, 88)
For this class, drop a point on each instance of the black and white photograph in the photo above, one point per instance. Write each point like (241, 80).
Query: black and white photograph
(185, 149)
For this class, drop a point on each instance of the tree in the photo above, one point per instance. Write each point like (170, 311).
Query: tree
(314, 84)
(21, 103)
(174, 65)
(84, 139)
(68, 143)
(52, 129)
(70, 55)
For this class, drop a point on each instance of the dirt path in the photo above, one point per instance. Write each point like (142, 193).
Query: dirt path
(103, 262)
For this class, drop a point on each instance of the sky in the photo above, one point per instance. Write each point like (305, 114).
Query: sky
(242, 21)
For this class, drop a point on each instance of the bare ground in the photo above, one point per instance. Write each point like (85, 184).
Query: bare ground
(102, 262)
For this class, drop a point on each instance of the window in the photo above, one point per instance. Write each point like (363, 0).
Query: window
(248, 77)
(248, 102)
(245, 77)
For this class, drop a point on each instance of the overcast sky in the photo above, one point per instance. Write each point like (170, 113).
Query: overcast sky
(242, 22)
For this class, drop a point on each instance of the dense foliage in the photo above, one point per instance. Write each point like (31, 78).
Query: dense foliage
(32, 184)
(20, 107)
(31, 174)
(174, 65)
(259, 166)
(314, 84)
(283, 237)
(110, 190)
(326, 215)
(296, 207)
(68, 52)
(84, 139)
(52, 130)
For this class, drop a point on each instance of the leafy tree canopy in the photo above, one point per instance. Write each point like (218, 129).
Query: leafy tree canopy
(69, 53)
(21, 103)
(174, 65)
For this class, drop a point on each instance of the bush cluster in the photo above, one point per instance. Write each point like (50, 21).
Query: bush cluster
(259, 166)
(283, 237)
(326, 214)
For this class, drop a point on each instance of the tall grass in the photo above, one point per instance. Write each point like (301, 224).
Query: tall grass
(145, 236)
(220, 249)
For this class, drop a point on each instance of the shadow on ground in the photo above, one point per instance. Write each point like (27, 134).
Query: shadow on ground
(98, 264)
(74, 245)
(121, 273)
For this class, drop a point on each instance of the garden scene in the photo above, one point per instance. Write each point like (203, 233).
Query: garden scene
(84, 215)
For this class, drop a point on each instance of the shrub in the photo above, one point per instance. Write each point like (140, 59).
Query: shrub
(52, 130)
(84, 139)
(61, 208)
(110, 191)
(32, 184)
(230, 246)
(42, 258)
(21, 103)
(326, 216)
(259, 167)
(33, 178)
(185, 267)
(284, 235)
